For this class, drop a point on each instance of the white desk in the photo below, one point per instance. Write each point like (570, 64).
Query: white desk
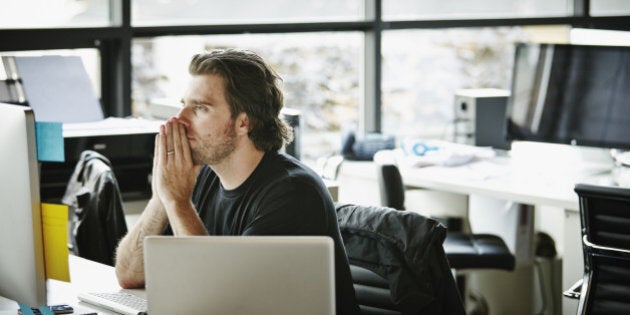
(544, 184)
(86, 276)
(504, 178)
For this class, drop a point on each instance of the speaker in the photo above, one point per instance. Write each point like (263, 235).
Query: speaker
(292, 117)
(480, 117)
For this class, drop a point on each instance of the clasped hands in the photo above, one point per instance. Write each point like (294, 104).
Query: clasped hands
(174, 173)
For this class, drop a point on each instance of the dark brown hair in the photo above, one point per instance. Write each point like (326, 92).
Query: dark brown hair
(251, 87)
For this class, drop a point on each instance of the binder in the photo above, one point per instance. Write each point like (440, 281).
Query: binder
(11, 87)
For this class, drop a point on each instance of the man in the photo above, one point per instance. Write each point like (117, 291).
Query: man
(217, 170)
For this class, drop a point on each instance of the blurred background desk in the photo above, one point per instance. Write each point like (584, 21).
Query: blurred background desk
(511, 196)
(500, 178)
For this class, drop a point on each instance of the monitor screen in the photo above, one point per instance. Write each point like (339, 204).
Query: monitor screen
(572, 94)
(22, 273)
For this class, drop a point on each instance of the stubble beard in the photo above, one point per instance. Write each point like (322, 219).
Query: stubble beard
(210, 152)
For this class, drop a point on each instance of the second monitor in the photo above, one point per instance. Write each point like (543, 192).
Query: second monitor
(22, 270)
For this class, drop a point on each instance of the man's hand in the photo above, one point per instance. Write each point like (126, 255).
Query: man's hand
(174, 173)
(175, 177)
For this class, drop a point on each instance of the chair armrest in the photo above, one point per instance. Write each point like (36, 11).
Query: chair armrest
(574, 291)
(606, 250)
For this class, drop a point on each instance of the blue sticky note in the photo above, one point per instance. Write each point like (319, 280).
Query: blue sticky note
(45, 310)
(49, 141)
(26, 310)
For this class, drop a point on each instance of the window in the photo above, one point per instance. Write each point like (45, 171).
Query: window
(54, 13)
(320, 73)
(172, 12)
(610, 7)
(429, 49)
(423, 69)
(479, 9)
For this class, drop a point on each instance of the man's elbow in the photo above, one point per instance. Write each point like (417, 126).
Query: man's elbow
(129, 281)
(128, 278)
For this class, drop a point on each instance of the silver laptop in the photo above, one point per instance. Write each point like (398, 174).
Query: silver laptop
(239, 275)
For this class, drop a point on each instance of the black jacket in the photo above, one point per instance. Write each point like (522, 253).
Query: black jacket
(97, 217)
(405, 248)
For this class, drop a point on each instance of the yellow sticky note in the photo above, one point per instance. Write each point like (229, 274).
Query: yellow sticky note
(55, 226)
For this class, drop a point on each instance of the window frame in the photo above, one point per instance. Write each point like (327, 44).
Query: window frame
(114, 44)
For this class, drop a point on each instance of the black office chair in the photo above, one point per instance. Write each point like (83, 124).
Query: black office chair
(605, 219)
(397, 261)
(463, 250)
(97, 219)
(391, 186)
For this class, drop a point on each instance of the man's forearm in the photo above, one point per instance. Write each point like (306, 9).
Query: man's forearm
(130, 254)
(184, 219)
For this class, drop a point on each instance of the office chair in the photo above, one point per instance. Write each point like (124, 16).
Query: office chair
(97, 220)
(397, 261)
(463, 250)
(605, 219)
(330, 166)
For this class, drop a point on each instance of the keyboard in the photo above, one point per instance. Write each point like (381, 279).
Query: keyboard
(119, 302)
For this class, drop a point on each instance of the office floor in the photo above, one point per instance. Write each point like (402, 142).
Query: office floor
(133, 209)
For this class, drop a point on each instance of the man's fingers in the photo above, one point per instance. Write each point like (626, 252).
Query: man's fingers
(156, 153)
(163, 146)
(169, 137)
(186, 154)
(177, 142)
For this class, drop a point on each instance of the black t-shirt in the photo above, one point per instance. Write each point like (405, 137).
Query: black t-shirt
(281, 197)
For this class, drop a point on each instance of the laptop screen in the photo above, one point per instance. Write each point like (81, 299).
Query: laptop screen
(240, 275)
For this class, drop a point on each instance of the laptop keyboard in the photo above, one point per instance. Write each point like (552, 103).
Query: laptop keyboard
(119, 302)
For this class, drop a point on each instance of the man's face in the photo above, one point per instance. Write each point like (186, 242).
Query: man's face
(206, 113)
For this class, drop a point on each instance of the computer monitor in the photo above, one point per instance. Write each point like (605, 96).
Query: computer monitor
(22, 270)
(570, 94)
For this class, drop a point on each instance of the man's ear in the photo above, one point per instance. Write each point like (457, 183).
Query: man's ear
(242, 124)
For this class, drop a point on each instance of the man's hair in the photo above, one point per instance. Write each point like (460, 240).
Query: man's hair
(251, 87)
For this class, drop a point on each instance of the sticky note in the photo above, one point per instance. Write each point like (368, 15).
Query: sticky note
(49, 141)
(55, 228)
(45, 310)
(26, 310)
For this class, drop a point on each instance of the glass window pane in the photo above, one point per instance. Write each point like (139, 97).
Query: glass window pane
(171, 12)
(610, 7)
(457, 9)
(54, 13)
(320, 73)
(423, 69)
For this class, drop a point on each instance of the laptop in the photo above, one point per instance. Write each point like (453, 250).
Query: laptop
(237, 275)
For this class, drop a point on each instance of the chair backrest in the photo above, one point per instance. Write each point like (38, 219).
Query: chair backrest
(605, 219)
(397, 261)
(392, 191)
(391, 186)
(97, 219)
(330, 166)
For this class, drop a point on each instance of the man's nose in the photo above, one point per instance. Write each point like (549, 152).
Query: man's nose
(182, 114)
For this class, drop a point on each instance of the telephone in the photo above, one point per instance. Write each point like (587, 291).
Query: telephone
(364, 148)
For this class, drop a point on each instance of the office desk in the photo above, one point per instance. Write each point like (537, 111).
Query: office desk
(500, 178)
(86, 276)
(546, 187)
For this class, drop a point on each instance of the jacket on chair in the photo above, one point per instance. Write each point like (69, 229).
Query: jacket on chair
(404, 248)
(97, 217)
